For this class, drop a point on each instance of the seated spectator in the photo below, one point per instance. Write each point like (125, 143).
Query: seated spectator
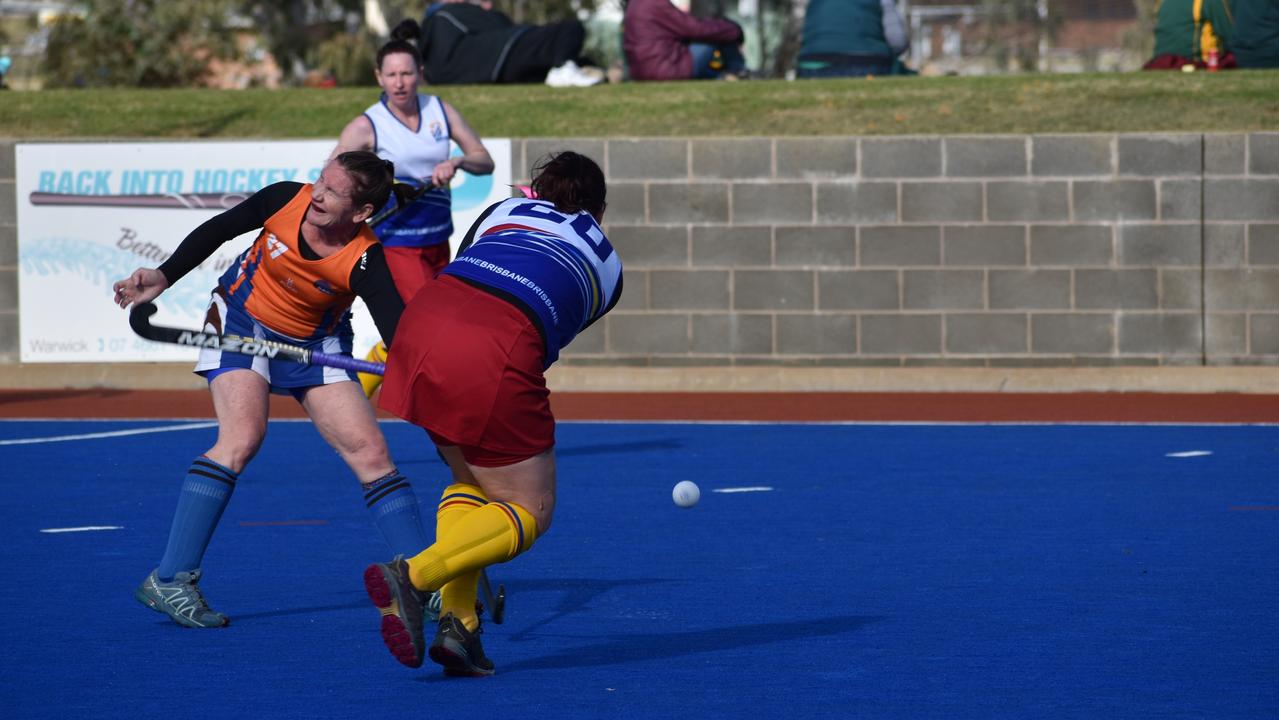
(852, 38)
(4, 68)
(1186, 31)
(664, 42)
(1256, 38)
(467, 41)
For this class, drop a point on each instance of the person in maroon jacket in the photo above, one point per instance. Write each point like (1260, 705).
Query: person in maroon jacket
(663, 42)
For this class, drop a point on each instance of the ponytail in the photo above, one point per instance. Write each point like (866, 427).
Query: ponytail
(403, 40)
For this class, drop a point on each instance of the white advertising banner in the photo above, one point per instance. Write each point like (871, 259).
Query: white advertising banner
(90, 214)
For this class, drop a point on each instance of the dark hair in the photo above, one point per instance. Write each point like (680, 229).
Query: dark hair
(572, 181)
(402, 40)
(372, 177)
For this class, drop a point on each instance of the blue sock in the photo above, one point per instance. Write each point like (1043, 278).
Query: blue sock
(205, 494)
(395, 512)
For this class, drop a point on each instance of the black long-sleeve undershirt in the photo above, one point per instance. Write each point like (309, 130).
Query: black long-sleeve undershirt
(370, 278)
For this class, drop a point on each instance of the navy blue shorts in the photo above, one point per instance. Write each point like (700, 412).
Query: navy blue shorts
(286, 377)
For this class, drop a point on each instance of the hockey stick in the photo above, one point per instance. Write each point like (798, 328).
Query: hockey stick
(495, 603)
(140, 320)
(401, 202)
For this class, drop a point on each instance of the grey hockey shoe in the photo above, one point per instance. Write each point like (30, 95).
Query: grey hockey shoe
(180, 599)
(402, 608)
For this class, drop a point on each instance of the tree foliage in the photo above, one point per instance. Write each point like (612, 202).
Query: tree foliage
(293, 29)
(139, 43)
(781, 46)
(1141, 38)
(347, 57)
(776, 27)
(1015, 29)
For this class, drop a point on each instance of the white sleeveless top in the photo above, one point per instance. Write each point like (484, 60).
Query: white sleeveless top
(429, 219)
(415, 153)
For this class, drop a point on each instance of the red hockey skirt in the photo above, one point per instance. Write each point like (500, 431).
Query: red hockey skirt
(467, 366)
(412, 267)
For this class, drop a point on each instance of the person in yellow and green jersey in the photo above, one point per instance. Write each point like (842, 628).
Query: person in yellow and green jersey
(1187, 32)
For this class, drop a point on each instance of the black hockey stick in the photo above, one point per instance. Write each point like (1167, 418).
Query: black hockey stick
(140, 320)
(404, 198)
(495, 603)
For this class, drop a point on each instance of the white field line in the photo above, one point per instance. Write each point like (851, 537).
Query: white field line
(1189, 453)
(111, 434)
(86, 528)
(756, 488)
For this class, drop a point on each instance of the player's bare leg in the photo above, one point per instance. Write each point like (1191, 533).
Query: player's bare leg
(240, 401)
(529, 483)
(347, 422)
(173, 588)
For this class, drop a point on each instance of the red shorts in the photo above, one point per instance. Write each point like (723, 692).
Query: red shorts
(467, 366)
(411, 267)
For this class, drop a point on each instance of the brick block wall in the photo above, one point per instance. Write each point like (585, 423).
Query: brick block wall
(990, 251)
(1067, 250)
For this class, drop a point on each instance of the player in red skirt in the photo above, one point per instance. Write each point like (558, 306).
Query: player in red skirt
(468, 365)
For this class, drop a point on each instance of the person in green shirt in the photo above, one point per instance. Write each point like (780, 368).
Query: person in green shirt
(1256, 39)
(851, 38)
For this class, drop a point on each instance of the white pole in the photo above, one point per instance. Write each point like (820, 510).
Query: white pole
(375, 19)
(1042, 7)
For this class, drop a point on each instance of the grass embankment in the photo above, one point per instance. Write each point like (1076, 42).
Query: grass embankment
(1131, 102)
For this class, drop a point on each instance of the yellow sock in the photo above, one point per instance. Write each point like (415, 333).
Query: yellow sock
(369, 381)
(484, 536)
(458, 595)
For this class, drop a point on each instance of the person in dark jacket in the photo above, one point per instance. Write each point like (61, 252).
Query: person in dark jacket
(1256, 40)
(851, 38)
(664, 42)
(469, 43)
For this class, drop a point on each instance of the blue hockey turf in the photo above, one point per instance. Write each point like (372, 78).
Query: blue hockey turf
(906, 571)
